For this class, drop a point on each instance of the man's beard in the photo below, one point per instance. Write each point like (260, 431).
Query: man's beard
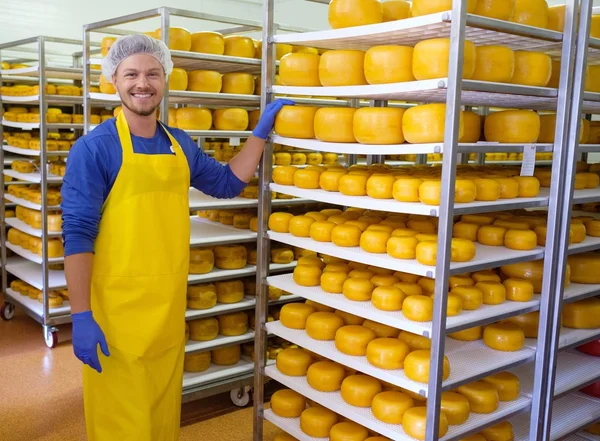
(140, 112)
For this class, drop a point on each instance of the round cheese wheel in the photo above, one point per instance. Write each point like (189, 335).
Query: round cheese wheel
(205, 81)
(380, 186)
(395, 10)
(353, 185)
(226, 356)
(426, 253)
(296, 122)
(462, 250)
(505, 337)
(402, 247)
(532, 69)
(507, 384)
(585, 268)
(483, 397)
(204, 329)
(348, 13)
(359, 390)
(470, 296)
(201, 296)
(299, 226)
(239, 46)
(389, 64)
(279, 222)
(406, 189)
(300, 69)
(529, 323)
(208, 43)
(414, 341)
(431, 59)
(418, 308)
(288, 403)
(319, 307)
(529, 186)
(520, 240)
(387, 353)
(178, 79)
(197, 362)
(583, 314)
(381, 330)
(498, 9)
(346, 236)
(353, 339)
(509, 187)
(293, 362)
(409, 289)
(416, 366)
(460, 280)
(492, 235)
(325, 376)
(231, 291)
(238, 82)
(323, 325)
(414, 422)
(518, 290)
(307, 275)
(295, 315)
(333, 282)
(229, 119)
(499, 432)
(427, 284)
(531, 13)
(387, 298)
(494, 63)
(348, 431)
(342, 68)
(350, 319)
(317, 421)
(389, 406)
(426, 123)
(465, 230)
(193, 118)
(334, 124)
(494, 293)
(456, 407)
(512, 126)
(378, 125)
(425, 7)
(321, 231)
(487, 189)
(470, 334)
(472, 133)
(374, 241)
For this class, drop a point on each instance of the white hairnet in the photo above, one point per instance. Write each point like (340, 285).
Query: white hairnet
(129, 45)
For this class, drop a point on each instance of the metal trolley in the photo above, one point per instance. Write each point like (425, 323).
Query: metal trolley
(28, 266)
(539, 362)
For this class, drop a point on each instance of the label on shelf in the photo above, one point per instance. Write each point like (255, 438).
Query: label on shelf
(234, 141)
(528, 166)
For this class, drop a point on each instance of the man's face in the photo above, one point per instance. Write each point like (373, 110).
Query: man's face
(140, 81)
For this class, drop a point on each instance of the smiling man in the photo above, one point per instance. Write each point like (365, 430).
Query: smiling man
(126, 229)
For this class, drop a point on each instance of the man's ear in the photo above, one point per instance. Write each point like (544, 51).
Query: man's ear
(114, 79)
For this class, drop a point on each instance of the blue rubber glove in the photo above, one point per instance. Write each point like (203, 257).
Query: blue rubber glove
(267, 119)
(87, 335)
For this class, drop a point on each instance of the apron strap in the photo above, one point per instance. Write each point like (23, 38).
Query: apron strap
(124, 137)
(176, 147)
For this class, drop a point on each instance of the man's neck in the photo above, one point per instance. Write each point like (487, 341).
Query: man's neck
(142, 126)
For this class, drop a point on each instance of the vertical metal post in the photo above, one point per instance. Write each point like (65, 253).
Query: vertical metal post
(3, 204)
(351, 159)
(87, 106)
(165, 24)
(559, 209)
(376, 159)
(44, 175)
(453, 100)
(264, 209)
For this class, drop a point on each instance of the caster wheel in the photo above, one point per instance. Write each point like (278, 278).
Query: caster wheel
(51, 339)
(7, 311)
(240, 397)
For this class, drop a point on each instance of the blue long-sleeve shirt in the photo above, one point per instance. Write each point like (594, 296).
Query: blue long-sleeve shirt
(94, 163)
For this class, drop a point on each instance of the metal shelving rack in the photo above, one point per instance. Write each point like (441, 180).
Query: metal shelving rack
(216, 379)
(473, 360)
(30, 267)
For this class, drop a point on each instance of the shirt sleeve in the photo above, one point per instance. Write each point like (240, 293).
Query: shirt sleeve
(207, 175)
(84, 191)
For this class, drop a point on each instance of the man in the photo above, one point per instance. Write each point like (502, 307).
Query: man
(126, 230)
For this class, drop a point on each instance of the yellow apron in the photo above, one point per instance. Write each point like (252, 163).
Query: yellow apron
(138, 298)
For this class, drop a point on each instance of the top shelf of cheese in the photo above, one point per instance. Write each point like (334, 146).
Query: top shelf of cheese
(52, 72)
(408, 32)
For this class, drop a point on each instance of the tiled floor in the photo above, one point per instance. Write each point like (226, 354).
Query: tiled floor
(41, 394)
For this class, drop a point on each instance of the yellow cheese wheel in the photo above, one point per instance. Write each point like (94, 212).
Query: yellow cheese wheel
(333, 282)
(201, 296)
(105, 46)
(300, 69)
(483, 397)
(387, 353)
(389, 64)
(317, 421)
(279, 222)
(507, 384)
(106, 86)
(532, 69)
(389, 406)
(505, 337)
(349, 13)
(296, 122)
(238, 83)
(470, 334)
(426, 123)
(531, 13)
(178, 79)
(520, 240)
(509, 187)
(416, 366)
(226, 356)
(418, 308)
(348, 431)
(307, 178)
(465, 230)
(499, 432)
(359, 390)
(529, 186)
(498, 9)
(287, 403)
(357, 289)
(233, 324)
(494, 63)
(231, 291)
(239, 46)
(381, 330)
(556, 18)
(431, 58)
(208, 43)
(585, 268)
(456, 407)
(471, 297)
(374, 241)
(414, 422)
(193, 118)
(293, 362)
(334, 124)
(346, 235)
(230, 119)
(342, 68)
(494, 293)
(323, 325)
(472, 133)
(425, 7)
(485, 276)
(350, 319)
(518, 290)
(204, 329)
(295, 315)
(325, 376)
(180, 39)
(512, 126)
(387, 298)
(583, 314)
(299, 226)
(202, 261)
(197, 362)
(414, 341)
(321, 231)
(230, 256)
(353, 339)
(378, 125)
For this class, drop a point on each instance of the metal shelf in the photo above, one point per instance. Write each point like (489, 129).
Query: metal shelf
(469, 361)
(219, 133)
(401, 149)
(207, 233)
(589, 244)
(216, 373)
(248, 270)
(32, 126)
(220, 63)
(33, 306)
(291, 426)
(365, 417)
(52, 72)
(188, 97)
(201, 201)
(35, 177)
(30, 152)
(486, 257)
(22, 226)
(570, 337)
(27, 204)
(579, 291)
(66, 100)
(221, 341)
(466, 319)
(586, 196)
(391, 205)
(31, 273)
(32, 257)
